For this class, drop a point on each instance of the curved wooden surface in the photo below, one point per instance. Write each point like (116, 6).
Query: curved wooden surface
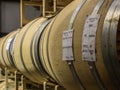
(50, 49)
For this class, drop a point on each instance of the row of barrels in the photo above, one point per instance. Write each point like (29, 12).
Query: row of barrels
(36, 49)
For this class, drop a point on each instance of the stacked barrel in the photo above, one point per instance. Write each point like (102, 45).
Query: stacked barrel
(36, 50)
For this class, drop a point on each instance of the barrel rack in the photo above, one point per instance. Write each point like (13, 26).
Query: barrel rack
(44, 4)
(20, 82)
(9, 79)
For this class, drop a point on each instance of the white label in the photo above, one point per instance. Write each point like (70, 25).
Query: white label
(8, 43)
(89, 37)
(67, 45)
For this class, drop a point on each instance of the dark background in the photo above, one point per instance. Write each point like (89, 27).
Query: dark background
(2, 32)
(10, 15)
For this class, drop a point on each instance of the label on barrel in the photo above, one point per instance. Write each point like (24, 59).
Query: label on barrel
(8, 43)
(67, 45)
(89, 38)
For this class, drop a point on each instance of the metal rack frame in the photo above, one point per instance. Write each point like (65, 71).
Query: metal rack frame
(42, 4)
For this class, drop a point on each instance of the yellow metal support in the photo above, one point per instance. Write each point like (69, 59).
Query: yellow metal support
(16, 81)
(24, 3)
(56, 87)
(55, 6)
(45, 86)
(44, 5)
(0, 73)
(6, 78)
(33, 3)
(23, 83)
(21, 12)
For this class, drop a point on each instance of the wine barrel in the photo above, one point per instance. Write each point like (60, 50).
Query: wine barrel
(6, 58)
(92, 75)
(77, 49)
(24, 55)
